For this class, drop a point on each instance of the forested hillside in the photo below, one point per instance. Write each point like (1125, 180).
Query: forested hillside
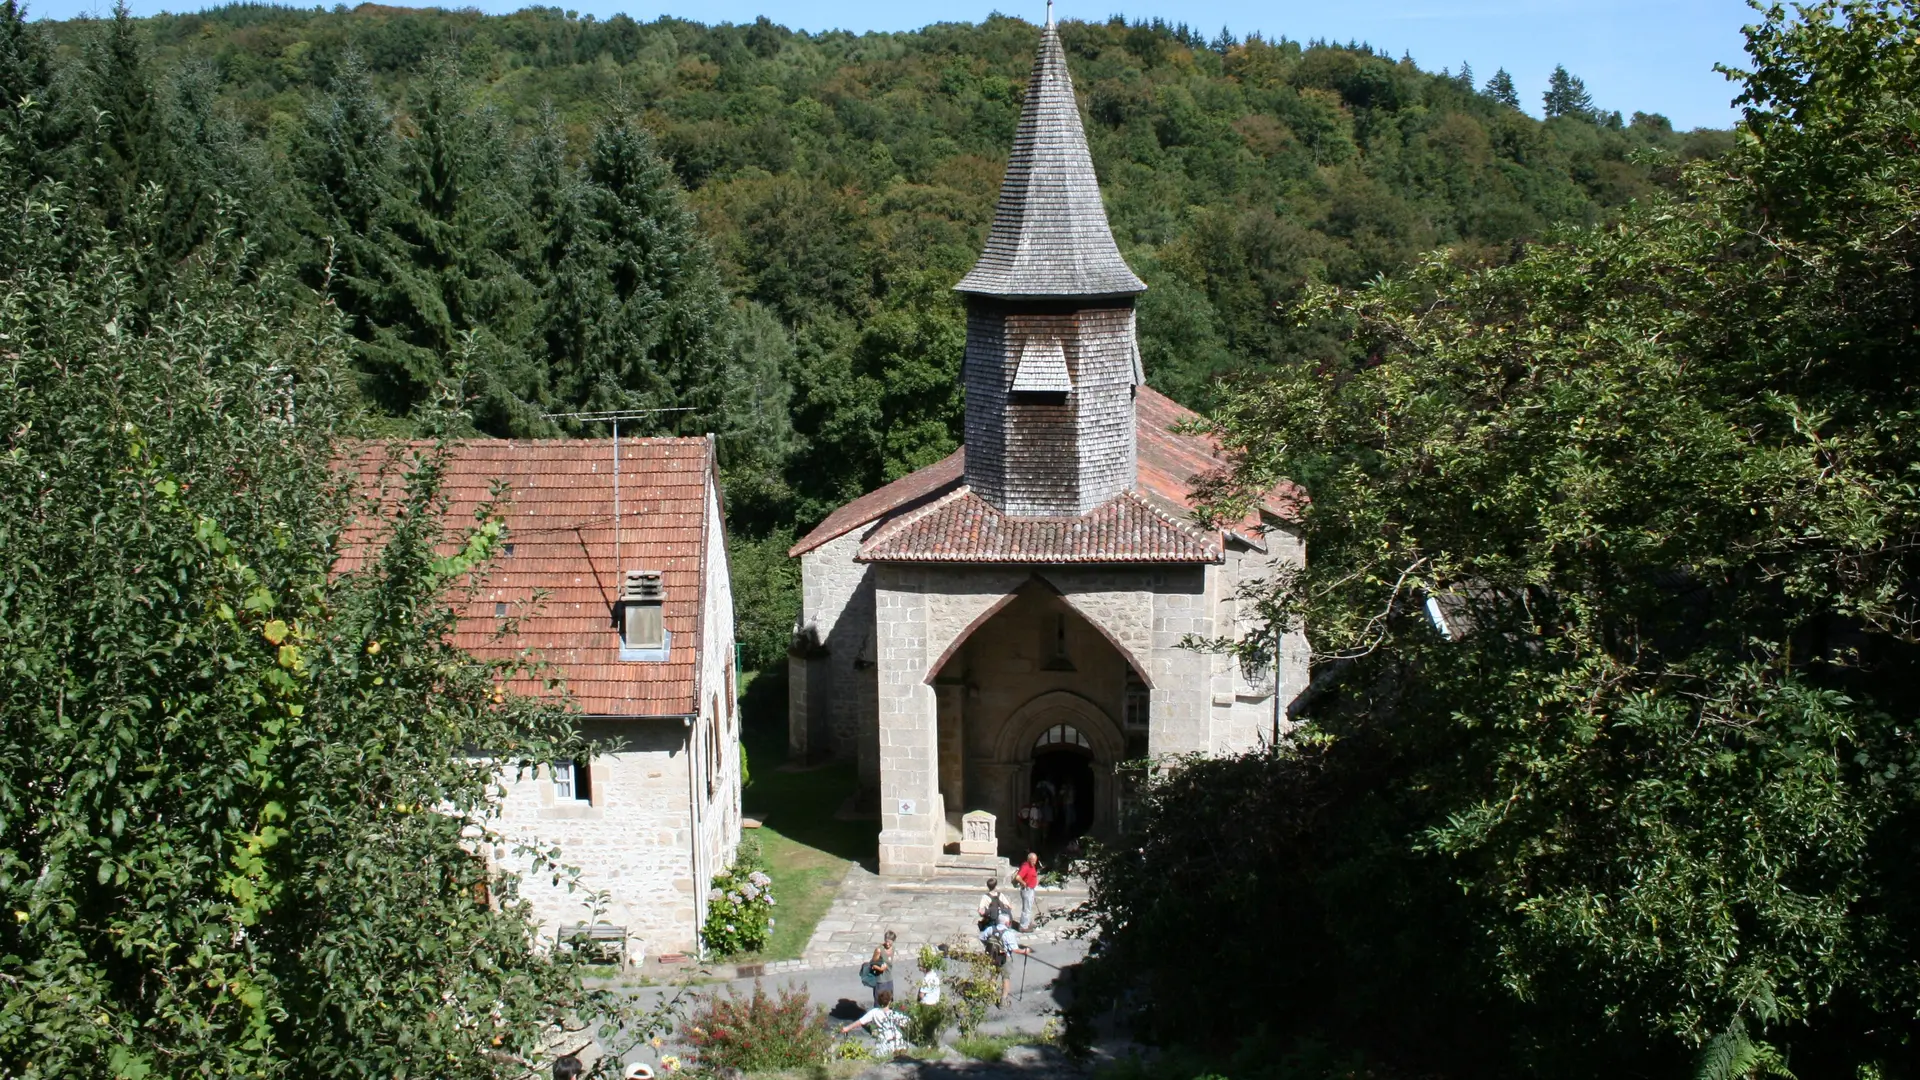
(537, 213)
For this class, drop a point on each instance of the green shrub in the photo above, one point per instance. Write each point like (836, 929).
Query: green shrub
(972, 987)
(740, 906)
(926, 1022)
(989, 1048)
(758, 1032)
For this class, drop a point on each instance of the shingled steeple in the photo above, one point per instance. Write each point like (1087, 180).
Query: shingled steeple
(1051, 363)
(1050, 236)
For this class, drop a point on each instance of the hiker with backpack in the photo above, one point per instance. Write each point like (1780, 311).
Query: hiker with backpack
(889, 1025)
(992, 904)
(1003, 944)
(877, 972)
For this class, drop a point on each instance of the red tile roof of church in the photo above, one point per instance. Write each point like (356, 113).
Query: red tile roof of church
(1171, 466)
(557, 501)
(964, 528)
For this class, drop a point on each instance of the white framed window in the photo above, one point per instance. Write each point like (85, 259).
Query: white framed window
(1061, 735)
(572, 782)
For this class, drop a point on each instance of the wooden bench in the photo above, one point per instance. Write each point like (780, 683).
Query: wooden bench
(601, 943)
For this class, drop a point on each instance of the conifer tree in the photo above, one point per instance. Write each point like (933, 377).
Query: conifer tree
(1500, 88)
(30, 129)
(660, 341)
(1567, 96)
(1465, 78)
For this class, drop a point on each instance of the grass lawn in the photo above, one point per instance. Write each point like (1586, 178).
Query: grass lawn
(807, 849)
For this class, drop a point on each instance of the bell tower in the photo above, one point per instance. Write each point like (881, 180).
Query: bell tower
(1051, 361)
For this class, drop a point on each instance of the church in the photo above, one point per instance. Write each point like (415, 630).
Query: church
(993, 636)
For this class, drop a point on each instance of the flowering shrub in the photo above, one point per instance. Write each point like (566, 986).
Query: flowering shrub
(758, 1032)
(739, 910)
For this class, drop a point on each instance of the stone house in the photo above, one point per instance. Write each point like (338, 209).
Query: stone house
(634, 616)
(1001, 630)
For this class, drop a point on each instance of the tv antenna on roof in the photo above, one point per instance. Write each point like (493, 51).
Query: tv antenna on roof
(614, 417)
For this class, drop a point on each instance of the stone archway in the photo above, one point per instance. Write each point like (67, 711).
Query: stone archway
(1019, 749)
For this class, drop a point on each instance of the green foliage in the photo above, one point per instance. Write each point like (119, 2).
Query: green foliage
(758, 1032)
(739, 908)
(485, 198)
(239, 806)
(972, 989)
(1654, 787)
(925, 1023)
(1500, 88)
(1566, 95)
(989, 1048)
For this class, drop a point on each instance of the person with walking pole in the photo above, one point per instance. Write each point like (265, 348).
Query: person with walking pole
(1002, 943)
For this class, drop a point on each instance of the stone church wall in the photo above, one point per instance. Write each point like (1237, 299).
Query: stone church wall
(832, 666)
(922, 612)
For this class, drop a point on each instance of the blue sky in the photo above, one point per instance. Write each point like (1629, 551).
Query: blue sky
(1650, 55)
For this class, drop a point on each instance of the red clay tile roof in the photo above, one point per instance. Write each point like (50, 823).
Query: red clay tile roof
(558, 505)
(963, 528)
(1171, 465)
(936, 479)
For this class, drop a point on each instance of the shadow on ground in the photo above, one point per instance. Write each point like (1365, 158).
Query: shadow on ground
(798, 800)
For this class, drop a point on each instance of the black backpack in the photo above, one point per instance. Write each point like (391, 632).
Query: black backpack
(997, 907)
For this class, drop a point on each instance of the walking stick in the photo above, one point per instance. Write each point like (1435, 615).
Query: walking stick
(1024, 957)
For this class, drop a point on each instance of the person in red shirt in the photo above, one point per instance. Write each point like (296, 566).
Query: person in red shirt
(1029, 877)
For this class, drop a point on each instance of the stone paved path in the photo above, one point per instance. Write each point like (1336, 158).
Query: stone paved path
(920, 913)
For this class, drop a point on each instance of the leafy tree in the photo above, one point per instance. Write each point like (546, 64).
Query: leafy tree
(1612, 600)
(239, 807)
(1500, 88)
(1566, 95)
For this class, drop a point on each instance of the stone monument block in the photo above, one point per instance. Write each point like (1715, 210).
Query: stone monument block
(977, 834)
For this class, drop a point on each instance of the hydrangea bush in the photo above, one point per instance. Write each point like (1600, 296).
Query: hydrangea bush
(739, 910)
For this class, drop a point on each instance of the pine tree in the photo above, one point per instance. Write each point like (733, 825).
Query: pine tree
(1500, 88)
(1465, 78)
(347, 161)
(31, 128)
(1567, 96)
(125, 144)
(631, 313)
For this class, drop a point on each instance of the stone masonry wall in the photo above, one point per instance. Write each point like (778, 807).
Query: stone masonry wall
(922, 612)
(663, 785)
(837, 611)
(1244, 705)
(634, 839)
(718, 733)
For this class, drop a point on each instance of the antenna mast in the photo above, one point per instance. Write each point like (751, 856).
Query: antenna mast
(614, 417)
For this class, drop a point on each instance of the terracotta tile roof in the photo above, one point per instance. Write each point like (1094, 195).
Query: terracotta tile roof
(1170, 466)
(964, 528)
(1050, 235)
(936, 479)
(557, 500)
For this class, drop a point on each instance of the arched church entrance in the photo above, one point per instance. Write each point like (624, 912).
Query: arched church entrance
(1061, 800)
(1035, 704)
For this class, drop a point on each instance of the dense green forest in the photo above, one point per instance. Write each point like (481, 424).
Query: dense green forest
(536, 213)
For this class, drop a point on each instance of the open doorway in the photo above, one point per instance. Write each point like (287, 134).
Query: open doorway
(1061, 797)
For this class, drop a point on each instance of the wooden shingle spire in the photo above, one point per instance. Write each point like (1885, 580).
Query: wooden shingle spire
(1050, 237)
